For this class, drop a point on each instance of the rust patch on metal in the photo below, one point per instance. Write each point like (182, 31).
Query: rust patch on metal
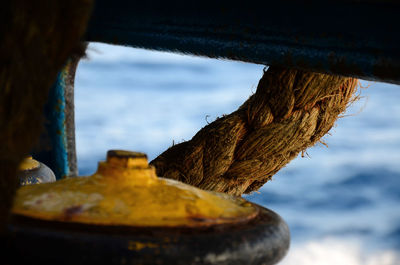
(72, 211)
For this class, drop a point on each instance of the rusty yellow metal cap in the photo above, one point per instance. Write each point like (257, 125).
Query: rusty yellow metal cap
(28, 164)
(31, 171)
(126, 191)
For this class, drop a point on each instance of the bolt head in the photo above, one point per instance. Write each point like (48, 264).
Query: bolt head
(127, 159)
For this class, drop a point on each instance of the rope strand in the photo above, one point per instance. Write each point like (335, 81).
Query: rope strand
(290, 111)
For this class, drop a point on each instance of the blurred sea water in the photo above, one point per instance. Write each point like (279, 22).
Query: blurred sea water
(342, 203)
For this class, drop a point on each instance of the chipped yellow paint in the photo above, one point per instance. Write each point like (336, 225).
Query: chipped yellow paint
(28, 164)
(126, 191)
(137, 246)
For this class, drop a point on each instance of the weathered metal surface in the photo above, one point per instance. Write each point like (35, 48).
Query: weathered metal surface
(70, 116)
(31, 171)
(352, 38)
(124, 214)
(126, 191)
(56, 146)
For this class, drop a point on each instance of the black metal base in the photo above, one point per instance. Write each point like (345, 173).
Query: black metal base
(263, 240)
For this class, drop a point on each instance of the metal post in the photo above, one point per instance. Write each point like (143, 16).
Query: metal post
(56, 147)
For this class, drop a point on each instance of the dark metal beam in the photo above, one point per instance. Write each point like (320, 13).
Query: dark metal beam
(352, 38)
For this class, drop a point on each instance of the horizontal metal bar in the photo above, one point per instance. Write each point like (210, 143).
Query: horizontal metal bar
(352, 38)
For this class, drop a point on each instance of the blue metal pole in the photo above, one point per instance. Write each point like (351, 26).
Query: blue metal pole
(56, 148)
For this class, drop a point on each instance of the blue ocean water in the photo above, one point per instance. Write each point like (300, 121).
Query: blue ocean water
(341, 202)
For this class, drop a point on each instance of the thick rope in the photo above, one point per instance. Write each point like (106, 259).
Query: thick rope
(237, 153)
